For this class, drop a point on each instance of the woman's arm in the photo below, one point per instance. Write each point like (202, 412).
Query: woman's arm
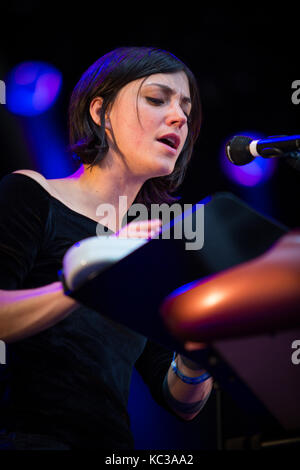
(187, 400)
(24, 313)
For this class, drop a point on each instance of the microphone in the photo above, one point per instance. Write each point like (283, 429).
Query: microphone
(241, 150)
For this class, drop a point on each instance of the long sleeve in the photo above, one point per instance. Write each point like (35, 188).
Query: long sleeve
(153, 366)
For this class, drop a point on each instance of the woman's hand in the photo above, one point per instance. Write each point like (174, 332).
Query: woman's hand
(141, 229)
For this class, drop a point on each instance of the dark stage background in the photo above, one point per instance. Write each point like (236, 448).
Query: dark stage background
(245, 59)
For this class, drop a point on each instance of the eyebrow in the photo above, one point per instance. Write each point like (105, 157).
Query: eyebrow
(171, 91)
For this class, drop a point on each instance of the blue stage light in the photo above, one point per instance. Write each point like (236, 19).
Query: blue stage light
(32, 88)
(257, 172)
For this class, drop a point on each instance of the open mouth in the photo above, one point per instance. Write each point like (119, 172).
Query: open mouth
(171, 140)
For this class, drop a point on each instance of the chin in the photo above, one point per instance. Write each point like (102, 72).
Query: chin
(163, 170)
(162, 167)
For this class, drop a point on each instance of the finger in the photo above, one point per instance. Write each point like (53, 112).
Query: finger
(140, 229)
(134, 234)
(193, 346)
(146, 224)
(145, 230)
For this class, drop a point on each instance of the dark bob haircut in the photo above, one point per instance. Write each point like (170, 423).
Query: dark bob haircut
(105, 78)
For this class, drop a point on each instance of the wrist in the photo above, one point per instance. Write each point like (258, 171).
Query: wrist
(187, 363)
(187, 375)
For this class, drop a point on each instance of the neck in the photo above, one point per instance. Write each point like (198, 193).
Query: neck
(105, 185)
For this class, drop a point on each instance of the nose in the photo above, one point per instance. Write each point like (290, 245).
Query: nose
(175, 116)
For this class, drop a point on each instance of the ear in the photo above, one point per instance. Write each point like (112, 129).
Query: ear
(95, 110)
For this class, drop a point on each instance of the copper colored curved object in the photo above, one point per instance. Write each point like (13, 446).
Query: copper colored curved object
(256, 297)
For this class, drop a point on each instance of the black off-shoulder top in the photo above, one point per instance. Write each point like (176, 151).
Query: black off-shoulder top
(72, 380)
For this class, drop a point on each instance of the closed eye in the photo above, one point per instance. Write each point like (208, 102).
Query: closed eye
(158, 102)
(155, 101)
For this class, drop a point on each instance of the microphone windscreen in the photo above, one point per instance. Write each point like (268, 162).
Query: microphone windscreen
(237, 150)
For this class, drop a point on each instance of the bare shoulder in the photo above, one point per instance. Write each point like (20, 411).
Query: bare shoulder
(58, 188)
(36, 176)
(33, 174)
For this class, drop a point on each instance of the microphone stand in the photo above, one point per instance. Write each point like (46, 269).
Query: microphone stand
(219, 422)
(292, 158)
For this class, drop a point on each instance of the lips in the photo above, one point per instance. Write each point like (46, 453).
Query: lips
(172, 140)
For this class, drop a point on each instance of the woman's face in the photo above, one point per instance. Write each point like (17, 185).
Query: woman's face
(147, 124)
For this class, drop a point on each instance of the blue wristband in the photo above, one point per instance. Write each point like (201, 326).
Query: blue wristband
(188, 380)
